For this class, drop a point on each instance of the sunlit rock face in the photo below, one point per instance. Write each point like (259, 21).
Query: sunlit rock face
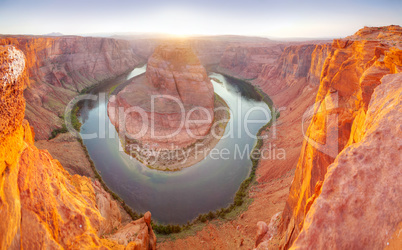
(12, 66)
(350, 75)
(174, 92)
(362, 188)
(41, 205)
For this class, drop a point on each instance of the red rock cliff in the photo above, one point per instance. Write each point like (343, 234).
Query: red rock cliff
(248, 61)
(296, 64)
(60, 67)
(343, 120)
(209, 49)
(41, 205)
(360, 203)
(279, 69)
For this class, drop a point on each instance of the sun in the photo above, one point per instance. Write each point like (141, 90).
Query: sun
(180, 31)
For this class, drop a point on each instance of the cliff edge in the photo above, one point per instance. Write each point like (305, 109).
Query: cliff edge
(341, 191)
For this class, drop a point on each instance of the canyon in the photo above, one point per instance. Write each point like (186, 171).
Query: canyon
(333, 190)
(273, 176)
(59, 68)
(351, 72)
(339, 185)
(41, 204)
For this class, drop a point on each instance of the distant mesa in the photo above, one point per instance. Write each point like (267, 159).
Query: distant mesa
(386, 33)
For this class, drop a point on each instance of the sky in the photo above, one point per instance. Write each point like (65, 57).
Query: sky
(268, 18)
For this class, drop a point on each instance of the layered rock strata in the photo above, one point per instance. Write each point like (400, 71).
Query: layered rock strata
(248, 61)
(281, 70)
(297, 64)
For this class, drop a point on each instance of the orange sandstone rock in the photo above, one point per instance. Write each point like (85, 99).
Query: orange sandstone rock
(360, 204)
(12, 63)
(350, 74)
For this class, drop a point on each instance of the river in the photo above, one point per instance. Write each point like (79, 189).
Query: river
(177, 197)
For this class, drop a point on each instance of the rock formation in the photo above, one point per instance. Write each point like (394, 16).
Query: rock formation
(60, 67)
(282, 70)
(247, 61)
(346, 199)
(41, 205)
(362, 188)
(273, 176)
(297, 63)
(175, 72)
(342, 122)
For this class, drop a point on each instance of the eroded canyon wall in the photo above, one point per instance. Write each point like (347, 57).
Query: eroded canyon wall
(248, 61)
(348, 118)
(279, 69)
(296, 64)
(60, 67)
(41, 205)
(359, 204)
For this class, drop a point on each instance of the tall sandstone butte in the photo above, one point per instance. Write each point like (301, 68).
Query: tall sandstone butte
(350, 74)
(41, 205)
(175, 91)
